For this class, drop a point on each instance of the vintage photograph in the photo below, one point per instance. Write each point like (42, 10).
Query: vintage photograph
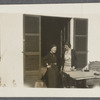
(50, 46)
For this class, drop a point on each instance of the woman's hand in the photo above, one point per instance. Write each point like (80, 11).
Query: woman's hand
(73, 67)
(48, 66)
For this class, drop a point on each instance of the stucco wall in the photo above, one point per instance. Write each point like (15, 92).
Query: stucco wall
(11, 64)
(91, 11)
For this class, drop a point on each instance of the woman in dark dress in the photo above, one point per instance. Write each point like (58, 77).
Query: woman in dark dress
(52, 74)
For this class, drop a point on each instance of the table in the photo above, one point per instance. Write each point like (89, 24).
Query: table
(80, 77)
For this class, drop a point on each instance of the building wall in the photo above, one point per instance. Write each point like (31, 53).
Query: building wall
(11, 34)
(11, 31)
(91, 11)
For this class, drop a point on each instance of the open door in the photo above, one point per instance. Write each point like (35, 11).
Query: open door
(81, 41)
(32, 48)
(64, 37)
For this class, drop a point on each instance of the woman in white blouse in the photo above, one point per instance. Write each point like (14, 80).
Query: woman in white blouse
(69, 58)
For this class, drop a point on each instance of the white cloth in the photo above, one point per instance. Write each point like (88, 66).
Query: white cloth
(67, 63)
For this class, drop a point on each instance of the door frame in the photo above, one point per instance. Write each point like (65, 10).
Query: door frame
(72, 40)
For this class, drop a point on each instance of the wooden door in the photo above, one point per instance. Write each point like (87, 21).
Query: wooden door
(64, 37)
(81, 41)
(32, 48)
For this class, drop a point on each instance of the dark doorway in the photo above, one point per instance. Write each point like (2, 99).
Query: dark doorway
(56, 31)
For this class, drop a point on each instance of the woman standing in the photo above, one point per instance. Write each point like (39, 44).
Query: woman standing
(70, 58)
(70, 64)
(52, 74)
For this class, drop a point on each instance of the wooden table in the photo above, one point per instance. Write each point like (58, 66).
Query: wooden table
(80, 78)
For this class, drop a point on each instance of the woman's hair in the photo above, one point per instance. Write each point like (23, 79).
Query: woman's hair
(67, 43)
(51, 46)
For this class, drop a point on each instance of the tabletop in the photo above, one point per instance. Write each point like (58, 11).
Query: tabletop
(80, 75)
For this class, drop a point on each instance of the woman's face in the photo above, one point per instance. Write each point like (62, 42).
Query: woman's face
(66, 47)
(54, 49)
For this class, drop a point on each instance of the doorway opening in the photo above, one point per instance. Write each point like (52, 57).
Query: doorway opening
(54, 30)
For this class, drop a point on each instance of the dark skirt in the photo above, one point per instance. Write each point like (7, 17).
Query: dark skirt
(52, 77)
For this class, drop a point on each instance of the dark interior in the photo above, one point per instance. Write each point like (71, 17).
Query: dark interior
(51, 34)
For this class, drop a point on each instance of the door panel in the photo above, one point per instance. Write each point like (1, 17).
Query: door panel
(81, 59)
(32, 49)
(31, 62)
(31, 43)
(80, 41)
(80, 26)
(32, 24)
(81, 44)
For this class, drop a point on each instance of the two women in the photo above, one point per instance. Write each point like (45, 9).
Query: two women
(52, 76)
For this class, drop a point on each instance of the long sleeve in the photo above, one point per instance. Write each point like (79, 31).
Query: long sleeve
(49, 59)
